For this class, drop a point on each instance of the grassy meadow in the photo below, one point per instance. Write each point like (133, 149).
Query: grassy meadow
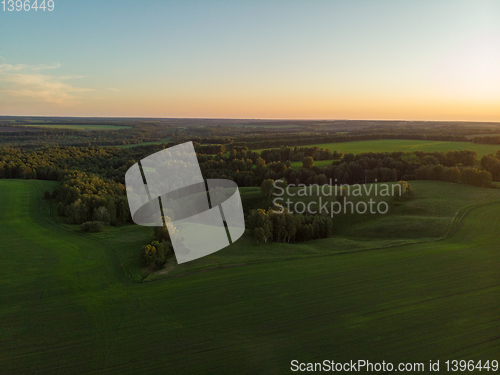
(68, 304)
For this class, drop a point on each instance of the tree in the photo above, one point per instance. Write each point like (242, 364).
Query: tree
(267, 188)
(268, 230)
(278, 221)
(76, 212)
(166, 232)
(122, 210)
(403, 191)
(261, 219)
(451, 174)
(155, 254)
(60, 209)
(92, 226)
(161, 233)
(148, 254)
(492, 165)
(337, 154)
(308, 162)
(430, 160)
(260, 163)
(293, 222)
(101, 214)
(259, 235)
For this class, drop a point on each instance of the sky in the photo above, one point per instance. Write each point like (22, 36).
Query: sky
(352, 59)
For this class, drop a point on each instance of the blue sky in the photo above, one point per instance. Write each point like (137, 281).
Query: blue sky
(254, 59)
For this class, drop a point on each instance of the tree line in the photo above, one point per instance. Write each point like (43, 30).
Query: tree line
(87, 198)
(268, 226)
(488, 140)
(350, 169)
(90, 174)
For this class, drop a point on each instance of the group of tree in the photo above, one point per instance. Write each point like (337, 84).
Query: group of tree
(466, 175)
(487, 139)
(82, 198)
(52, 163)
(404, 192)
(299, 153)
(350, 169)
(272, 226)
(92, 226)
(491, 163)
(32, 137)
(157, 252)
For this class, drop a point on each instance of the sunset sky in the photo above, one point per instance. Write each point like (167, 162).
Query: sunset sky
(414, 60)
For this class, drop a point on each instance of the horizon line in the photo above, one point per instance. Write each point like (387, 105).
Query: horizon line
(248, 119)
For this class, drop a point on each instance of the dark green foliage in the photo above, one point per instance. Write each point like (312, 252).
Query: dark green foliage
(101, 214)
(403, 191)
(92, 226)
(259, 235)
(267, 188)
(84, 132)
(308, 162)
(351, 169)
(287, 227)
(299, 153)
(155, 254)
(491, 163)
(88, 197)
(464, 175)
(488, 140)
(161, 234)
(211, 149)
(260, 163)
(60, 209)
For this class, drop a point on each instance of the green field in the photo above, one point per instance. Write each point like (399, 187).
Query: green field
(81, 127)
(390, 145)
(67, 305)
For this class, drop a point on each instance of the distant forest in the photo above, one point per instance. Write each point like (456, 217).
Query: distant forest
(255, 134)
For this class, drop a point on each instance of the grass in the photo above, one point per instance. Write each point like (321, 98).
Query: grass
(81, 127)
(426, 218)
(67, 305)
(390, 145)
